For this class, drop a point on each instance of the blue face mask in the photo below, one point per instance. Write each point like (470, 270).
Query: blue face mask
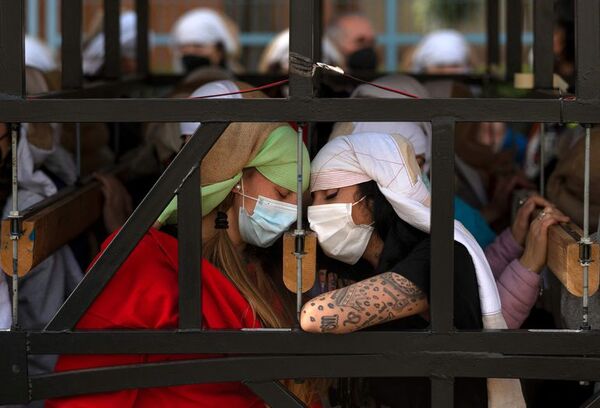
(270, 219)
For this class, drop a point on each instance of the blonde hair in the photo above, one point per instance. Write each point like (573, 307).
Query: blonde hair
(261, 293)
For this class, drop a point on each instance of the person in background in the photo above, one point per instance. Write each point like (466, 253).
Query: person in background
(276, 57)
(247, 201)
(38, 55)
(442, 52)
(202, 38)
(353, 36)
(93, 47)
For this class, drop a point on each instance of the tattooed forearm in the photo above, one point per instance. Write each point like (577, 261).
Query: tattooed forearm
(373, 301)
(329, 323)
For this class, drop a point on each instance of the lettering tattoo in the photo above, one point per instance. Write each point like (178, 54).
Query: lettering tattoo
(329, 323)
(373, 301)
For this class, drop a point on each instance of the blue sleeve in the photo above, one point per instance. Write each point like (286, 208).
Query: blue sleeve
(474, 222)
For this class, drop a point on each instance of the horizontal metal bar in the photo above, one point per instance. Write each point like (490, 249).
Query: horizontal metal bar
(231, 369)
(521, 342)
(309, 110)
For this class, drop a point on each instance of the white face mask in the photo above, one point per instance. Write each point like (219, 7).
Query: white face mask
(270, 219)
(339, 237)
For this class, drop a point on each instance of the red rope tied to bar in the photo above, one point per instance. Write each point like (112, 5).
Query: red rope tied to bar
(258, 88)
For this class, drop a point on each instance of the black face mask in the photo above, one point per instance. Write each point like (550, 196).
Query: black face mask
(193, 62)
(364, 59)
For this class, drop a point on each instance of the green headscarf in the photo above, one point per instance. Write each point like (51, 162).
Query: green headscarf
(276, 160)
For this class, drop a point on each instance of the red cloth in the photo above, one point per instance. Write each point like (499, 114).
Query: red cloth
(143, 294)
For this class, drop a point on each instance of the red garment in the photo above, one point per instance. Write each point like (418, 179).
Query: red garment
(143, 294)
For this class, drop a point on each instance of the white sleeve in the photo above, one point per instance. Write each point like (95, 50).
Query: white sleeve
(5, 309)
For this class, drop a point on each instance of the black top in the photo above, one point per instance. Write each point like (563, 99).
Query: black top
(415, 267)
(407, 252)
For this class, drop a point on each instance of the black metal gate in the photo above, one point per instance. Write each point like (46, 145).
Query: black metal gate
(441, 353)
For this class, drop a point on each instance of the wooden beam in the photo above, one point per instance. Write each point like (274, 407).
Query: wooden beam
(563, 259)
(50, 225)
(55, 221)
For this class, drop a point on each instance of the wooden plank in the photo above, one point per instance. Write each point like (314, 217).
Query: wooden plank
(309, 262)
(48, 229)
(563, 259)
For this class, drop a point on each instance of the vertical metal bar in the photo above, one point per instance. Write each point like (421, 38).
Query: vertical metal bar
(318, 30)
(71, 16)
(299, 252)
(442, 226)
(189, 234)
(543, 56)
(514, 41)
(585, 239)
(15, 228)
(442, 392)
(492, 30)
(587, 49)
(12, 49)
(78, 149)
(143, 22)
(112, 40)
(136, 226)
(302, 22)
(543, 159)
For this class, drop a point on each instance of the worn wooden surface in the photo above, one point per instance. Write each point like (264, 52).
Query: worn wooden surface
(563, 258)
(309, 262)
(49, 228)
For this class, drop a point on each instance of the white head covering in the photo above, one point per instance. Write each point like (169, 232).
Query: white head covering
(93, 55)
(38, 55)
(417, 133)
(204, 26)
(389, 161)
(211, 88)
(278, 51)
(442, 47)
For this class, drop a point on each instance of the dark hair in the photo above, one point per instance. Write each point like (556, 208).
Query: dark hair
(387, 223)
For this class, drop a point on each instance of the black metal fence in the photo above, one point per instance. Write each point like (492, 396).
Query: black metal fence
(441, 353)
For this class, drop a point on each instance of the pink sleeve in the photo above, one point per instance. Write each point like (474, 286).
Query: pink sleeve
(502, 252)
(518, 288)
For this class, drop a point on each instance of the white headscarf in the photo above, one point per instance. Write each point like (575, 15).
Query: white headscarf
(204, 26)
(211, 88)
(389, 161)
(417, 133)
(278, 51)
(93, 55)
(442, 47)
(38, 55)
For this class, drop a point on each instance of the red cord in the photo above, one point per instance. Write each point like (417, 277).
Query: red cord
(259, 88)
(385, 88)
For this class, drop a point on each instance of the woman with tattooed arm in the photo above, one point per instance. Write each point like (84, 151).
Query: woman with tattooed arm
(370, 202)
